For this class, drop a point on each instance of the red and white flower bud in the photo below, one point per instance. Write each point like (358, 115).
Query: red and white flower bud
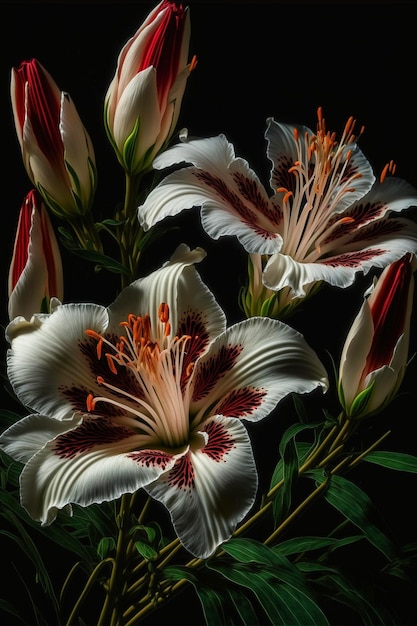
(35, 274)
(57, 151)
(375, 354)
(143, 101)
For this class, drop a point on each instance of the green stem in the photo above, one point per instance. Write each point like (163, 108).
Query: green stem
(91, 580)
(109, 615)
(300, 508)
(131, 232)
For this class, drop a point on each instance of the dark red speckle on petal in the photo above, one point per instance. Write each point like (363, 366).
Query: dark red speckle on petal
(90, 434)
(241, 402)
(181, 476)
(213, 369)
(151, 458)
(219, 443)
(250, 191)
(352, 259)
(235, 202)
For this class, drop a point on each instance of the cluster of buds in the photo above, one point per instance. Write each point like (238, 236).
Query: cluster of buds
(141, 111)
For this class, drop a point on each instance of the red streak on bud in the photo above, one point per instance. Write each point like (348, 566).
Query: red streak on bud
(389, 308)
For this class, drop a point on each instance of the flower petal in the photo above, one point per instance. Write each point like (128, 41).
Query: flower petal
(191, 305)
(143, 94)
(369, 218)
(231, 197)
(46, 358)
(355, 351)
(210, 490)
(27, 436)
(93, 463)
(284, 151)
(78, 150)
(375, 246)
(251, 367)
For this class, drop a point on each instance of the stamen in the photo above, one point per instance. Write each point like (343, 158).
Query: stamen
(193, 63)
(90, 402)
(156, 364)
(389, 168)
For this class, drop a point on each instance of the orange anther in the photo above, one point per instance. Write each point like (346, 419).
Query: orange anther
(163, 312)
(90, 402)
(110, 363)
(193, 63)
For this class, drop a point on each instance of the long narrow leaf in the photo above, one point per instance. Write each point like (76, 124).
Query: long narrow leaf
(393, 460)
(298, 545)
(356, 506)
(283, 603)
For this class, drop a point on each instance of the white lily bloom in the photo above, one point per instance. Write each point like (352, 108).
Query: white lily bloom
(326, 220)
(150, 393)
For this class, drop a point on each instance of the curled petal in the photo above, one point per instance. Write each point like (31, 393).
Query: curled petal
(27, 436)
(210, 490)
(93, 463)
(231, 197)
(45, 360)
(179, 286)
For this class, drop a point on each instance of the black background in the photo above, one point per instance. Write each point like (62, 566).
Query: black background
(255, 60)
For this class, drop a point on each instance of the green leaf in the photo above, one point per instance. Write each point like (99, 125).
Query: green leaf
(283, 603)
(212, 602)
(283, 499)
(179, 572)
(299, 545)
(146, 551)
(303, 450)
(10, 506)
(252, 551)
(101, 260)
(10, 609)
(356, 506)
(393, 460)
(7, 418)
(243, 605)
(337, 588)
(105, 547)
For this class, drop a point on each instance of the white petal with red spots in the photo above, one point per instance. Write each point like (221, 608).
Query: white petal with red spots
(210, 489)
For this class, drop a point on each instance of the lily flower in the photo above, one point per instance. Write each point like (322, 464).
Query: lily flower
(35, 274)
(57, 151)
(143, 100)
(327, 218)
(375, 353)
(150, 393)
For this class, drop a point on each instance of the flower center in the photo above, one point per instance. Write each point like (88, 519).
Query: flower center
(156, 360)
(324, 173)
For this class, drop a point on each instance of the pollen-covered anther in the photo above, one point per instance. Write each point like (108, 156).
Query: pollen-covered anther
(90, 402)
(193, 64)
(389, 168)
(98, 338)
